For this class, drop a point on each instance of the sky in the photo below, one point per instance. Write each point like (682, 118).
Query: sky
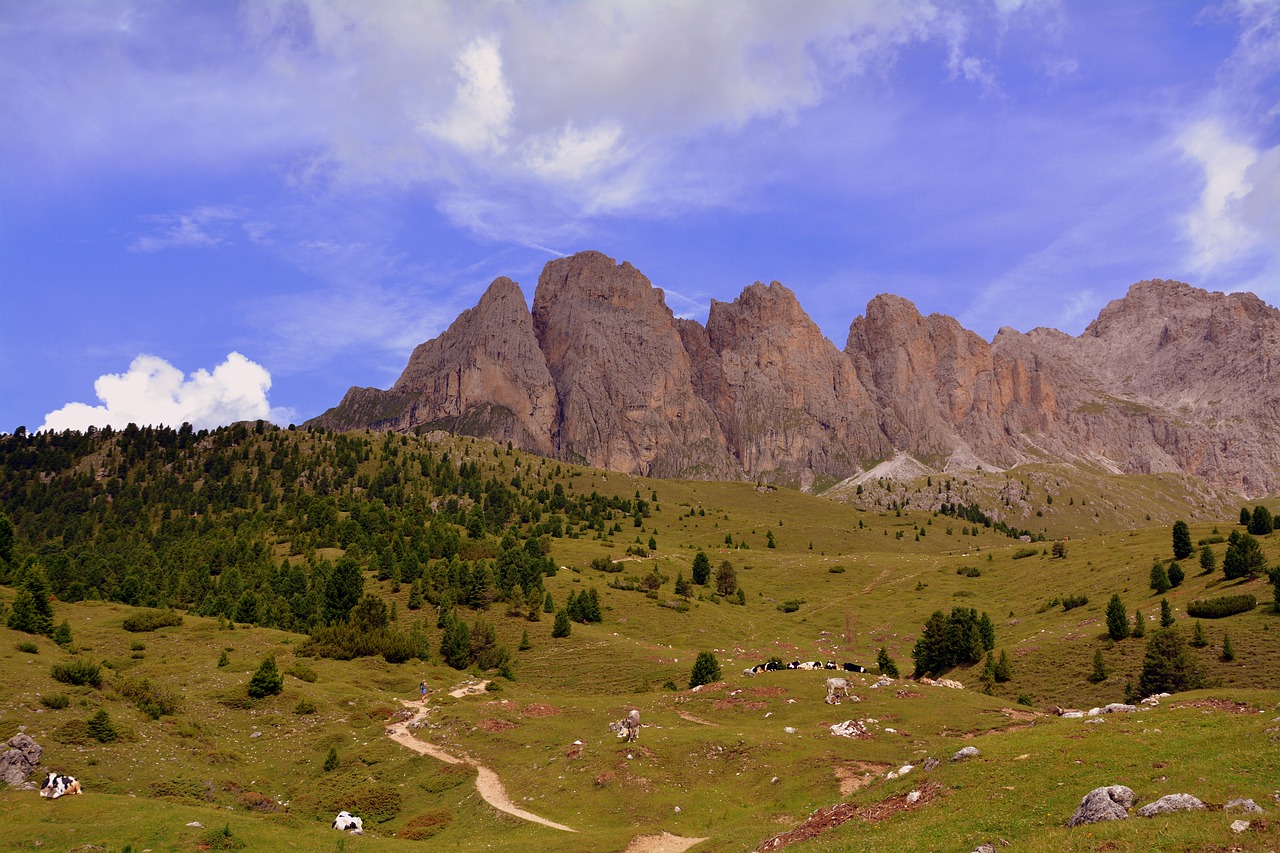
(216, 211)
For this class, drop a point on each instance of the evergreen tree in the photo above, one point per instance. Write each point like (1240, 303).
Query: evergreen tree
(563, 626)
(1004, 669)
(701, 569)
(988, 675)
(1159, 578)
(1117, 619)
(1166, 613)
(1208, 562)
(988, 632)
(1275, 588)
(525, 645)
(548, 606)
(1176, 575)
(1181, 540)
(1198, 639)
(1099, 673)
(267, 681)
(706, 670)
(100, 728)
(22, 615)
(1228, 653)
(331, 760)
(415, 595)
(1139, 625)
(6, 545)
(1168, 666)
(1244, 557)
(343, 590)
(62, 634)
(455, 644)
(726, 579)
(885, 664)
(742, 596)
(683, 588)
(1260, 522)
(929, 653)
(1245, 516)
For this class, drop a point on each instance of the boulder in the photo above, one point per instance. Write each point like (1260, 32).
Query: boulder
(1240, 804)
(20, 760)
(1111, 802)
(1239, 825)
(1170, 803)
(931, 763)
(966, 752)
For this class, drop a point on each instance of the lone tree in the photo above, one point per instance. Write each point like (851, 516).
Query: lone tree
(1100, 672)
(885, 664)
(1166, 613)
(1168, 666)
(1181, 540)
(726, 579)
(706, 670)
(701, 569)
(1117, 619)
(267, 681)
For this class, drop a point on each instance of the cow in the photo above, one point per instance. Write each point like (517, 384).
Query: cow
(773, 666)
(628, 726)
(347, 822)
(55, 786)
(853, 667)
(830, 665)
(809, 664)
(836, 687)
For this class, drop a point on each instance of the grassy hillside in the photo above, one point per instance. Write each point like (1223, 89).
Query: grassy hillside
(742, 759)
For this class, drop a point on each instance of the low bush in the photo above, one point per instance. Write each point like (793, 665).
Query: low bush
(151, 620)
(1217, 608)
(150, 698)
(302, 672)
(78, 672)
(1023, 553)
(791, 605)
(57, 701)
(1070, 602)
(28, 647)
(425, 825)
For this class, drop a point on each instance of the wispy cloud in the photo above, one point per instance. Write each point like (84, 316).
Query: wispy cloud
(153, 391)
(203, 227)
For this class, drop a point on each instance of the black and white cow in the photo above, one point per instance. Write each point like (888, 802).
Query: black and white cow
(55, 786)
(348, 822)
(854, 667)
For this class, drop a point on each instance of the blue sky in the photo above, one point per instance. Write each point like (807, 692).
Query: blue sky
(213, 211)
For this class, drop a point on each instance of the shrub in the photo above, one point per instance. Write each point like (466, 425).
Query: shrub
(151, 620)
(221, 839)
(57, 701)
(267, 681)
(791, 605)
(1071, 602)
(28, 647)
(62, 634)
(706, 670)
(304, 706)
(1023, 553)
(79, 672)
(331, 760)
(151, 699)
(423, 826)
(1217, 608)
(969, 571)
(1198, 639)
(1139, 625)
(885, 664)
(302, 672)
(99, 728)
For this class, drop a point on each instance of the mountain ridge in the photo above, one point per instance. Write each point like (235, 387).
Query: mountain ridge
(1168, 378)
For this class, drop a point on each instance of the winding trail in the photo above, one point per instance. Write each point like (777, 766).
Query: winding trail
(487, 782)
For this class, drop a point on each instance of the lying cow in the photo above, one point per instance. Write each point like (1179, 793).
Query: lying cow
(55, 786)
(836, 687)
(854, 667)
(347, 822)
(628, 726)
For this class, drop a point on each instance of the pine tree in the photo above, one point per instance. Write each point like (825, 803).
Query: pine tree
(1117, 619)
(1208, 562)
(455, 644)
(1176, 575)
(548, 606)
(267, 681)
(701, 569)
(885, 664)
(1181, 540)
(1260, 522)
(1099, 673)
(525, 645)
(1139, 625)
(62, 634)
(1198, 639)
(1166, 613)
(1244, 557)
(1228, 653)
(1004, 669)
(562, 627)
(1159, 578)
(706, 670)
(683, 588)
(415, 595)
(1168, 666)
(726, 579)
(331, 760)
(100, 728)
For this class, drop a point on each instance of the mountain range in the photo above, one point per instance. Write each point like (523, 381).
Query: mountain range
(1169, 378)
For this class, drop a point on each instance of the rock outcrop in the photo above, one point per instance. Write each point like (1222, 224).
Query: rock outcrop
(1109, 803)
(1168, 378)
(1171, 803)
(20, 760)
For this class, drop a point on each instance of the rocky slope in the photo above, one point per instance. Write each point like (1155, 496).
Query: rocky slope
(1169, 378)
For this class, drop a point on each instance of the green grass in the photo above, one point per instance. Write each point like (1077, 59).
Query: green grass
(722, 754)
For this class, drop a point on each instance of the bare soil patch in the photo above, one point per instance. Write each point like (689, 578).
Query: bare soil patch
(664, 843)
(537, 709)
(855, 775)
(832, 816)
(743, 704)
(1219, 705)
(766, 691)
(492, 726)
(685, 715)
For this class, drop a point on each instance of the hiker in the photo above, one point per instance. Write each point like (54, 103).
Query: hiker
(422, 688)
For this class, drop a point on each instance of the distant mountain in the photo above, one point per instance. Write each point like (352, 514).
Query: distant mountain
(1168, 378)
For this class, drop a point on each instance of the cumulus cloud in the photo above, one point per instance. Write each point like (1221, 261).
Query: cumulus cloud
(1216, 227)
(153, 391)
(480, 117)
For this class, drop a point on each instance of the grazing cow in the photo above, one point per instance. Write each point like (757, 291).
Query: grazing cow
(347, 822)
(628, 726)
(836, 687)
(55, 786)
(853, 667)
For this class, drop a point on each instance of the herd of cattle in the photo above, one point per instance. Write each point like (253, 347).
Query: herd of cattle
(773, 666)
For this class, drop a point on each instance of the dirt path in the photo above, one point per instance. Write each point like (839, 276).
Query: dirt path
(664, 843)
(487, 782)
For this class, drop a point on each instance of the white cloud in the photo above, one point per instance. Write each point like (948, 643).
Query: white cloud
(203, 227)
(155, 392)
(1215, 227)
(480, 117)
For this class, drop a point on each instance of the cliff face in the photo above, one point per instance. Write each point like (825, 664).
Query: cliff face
(1169, 378)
